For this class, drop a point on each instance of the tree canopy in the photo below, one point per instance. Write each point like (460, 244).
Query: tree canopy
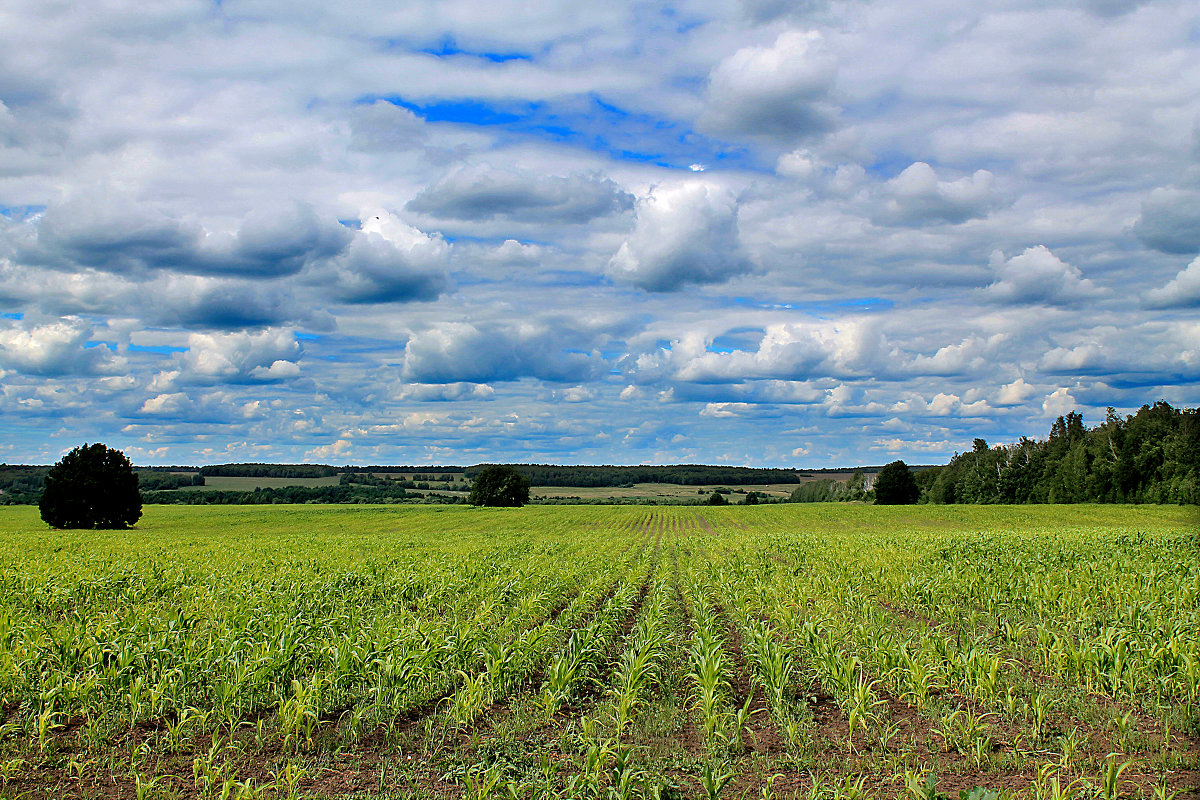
(499, 485)
(1152, 456)
(895, 485)
(93, 486)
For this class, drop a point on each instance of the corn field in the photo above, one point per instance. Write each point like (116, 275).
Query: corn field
(825, 652)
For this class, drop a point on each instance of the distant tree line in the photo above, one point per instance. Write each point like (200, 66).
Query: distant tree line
(418, 481)
(614, 476)
(154, 481)
(427, 470)
(21, 484)
(1152, 456)
(270, 470)
(538, 474)
(346, 493)
(828, 490)
(369, 479)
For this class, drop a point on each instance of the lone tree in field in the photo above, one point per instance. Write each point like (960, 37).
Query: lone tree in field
(895, 486)
(499, 485)
(93, 486)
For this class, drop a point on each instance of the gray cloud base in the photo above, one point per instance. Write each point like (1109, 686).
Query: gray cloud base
(771, 233)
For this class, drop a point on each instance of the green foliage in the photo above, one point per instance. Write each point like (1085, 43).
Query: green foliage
(823, 490)
(410, 649)
(346, 493)
(21, 484)
(717, 499)
(679, 474)
(895, 485)
(270, 470)
(1152, 456)
(499, 485)
(828, 490)
(93, 486)
(150, 480)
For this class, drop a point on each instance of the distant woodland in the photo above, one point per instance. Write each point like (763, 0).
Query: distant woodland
(269, 471)
(680, 474)
(1152, 456)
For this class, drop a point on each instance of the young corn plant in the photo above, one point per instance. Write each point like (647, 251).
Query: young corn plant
(710, 684)
(641, 662)
(773, 666)
(713, 781)
(580, 660)
(1109, 785)
(300, 714)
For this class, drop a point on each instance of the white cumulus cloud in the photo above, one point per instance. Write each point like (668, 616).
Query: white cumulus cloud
(1182, 291)
(56, 349)
(916, 197)
(686, 233)
(781, 92)
(1038, 276)
(242, 356)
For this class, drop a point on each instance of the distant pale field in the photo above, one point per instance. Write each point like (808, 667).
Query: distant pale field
(665, 490)
(640, 490)
(850, 651)
(215, 483)
(226, 483)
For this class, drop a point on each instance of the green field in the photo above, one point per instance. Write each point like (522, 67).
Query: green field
(829, 652)
(671, 492)
(226, 483)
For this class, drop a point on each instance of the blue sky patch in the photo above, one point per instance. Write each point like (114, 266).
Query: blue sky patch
(592, 123)
(448, 48)
(21, 213)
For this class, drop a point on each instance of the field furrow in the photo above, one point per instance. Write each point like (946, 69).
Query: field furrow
(825, 652)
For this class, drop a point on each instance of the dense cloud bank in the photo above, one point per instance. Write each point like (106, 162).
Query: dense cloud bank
(788, 234)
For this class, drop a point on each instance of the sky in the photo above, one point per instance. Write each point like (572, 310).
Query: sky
(776, 233)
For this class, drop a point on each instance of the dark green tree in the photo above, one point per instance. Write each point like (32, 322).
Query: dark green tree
(499, 485)
(93, 486)
(717, 499)
(894, 485)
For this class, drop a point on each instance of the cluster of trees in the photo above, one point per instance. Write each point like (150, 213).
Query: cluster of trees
(828, 490)
(499, 485)
(894, 484)
(270, 470)
(346, 493)
(442, 471)
(157, 481)
(371, 479)
(719, 498)
(21, 484)
(419, 481)
(93, 486)
(1152, 456)
(613, 476)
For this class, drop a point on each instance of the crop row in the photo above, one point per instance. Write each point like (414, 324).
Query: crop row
(606, 653)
